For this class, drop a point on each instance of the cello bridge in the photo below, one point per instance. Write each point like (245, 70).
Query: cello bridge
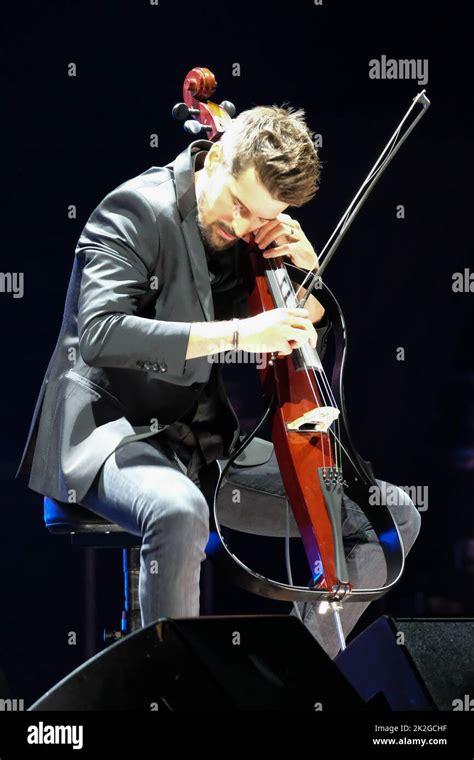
(317, 420)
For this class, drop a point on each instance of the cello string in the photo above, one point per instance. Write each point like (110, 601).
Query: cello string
(273, 266)
(327, 398)
(324, 435)
(343, 448)
(324, 379)
(322, 374)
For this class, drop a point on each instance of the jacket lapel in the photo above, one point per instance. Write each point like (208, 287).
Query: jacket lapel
(183, 170)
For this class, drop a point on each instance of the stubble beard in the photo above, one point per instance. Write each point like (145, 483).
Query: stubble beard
(210, 234)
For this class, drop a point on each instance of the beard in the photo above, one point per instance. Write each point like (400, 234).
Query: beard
(209, 233)
(212, 237)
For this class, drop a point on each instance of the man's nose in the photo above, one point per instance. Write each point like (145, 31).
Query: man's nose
(243, 227)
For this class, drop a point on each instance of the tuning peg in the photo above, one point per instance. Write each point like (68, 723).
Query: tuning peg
(193, 127)
(229, 108)
(181, 111)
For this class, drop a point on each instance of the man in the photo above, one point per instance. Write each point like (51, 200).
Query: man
(131, 407)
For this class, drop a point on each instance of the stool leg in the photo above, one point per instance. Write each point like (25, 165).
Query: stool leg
(131, 617)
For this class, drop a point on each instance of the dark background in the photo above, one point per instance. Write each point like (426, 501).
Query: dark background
(71, 140)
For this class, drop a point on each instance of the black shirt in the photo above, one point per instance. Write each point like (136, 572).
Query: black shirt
(203, 434)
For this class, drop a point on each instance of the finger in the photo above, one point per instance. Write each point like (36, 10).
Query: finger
(298, 310)
(299, 322)
(285, 351)
(296, 343)
(287, 219)
(310, 334)
(279, 250)
(297, 318)
(298, 333)
(265, 231)
(270, 234)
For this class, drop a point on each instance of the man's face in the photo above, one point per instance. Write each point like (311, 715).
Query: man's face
(230, 208)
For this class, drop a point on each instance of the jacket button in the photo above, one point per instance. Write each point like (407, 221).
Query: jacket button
(163, 367)
(155, 367)
(139, 363)
(147, 365)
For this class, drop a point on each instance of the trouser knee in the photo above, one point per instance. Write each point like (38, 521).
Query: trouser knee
(183, 522)
(404, 512)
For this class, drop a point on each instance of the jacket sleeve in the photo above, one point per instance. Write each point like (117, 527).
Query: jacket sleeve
(119, 248)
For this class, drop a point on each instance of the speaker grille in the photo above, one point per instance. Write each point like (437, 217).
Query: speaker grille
(442, 650)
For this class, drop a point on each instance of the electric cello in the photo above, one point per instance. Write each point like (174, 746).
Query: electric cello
(316, 456)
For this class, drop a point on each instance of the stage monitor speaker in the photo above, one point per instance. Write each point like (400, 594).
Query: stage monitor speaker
(218, 663)
(416, 663)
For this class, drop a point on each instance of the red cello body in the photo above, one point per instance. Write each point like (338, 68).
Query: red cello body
(300, 454)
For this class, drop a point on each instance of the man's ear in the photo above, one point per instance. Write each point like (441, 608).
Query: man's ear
(213, 157)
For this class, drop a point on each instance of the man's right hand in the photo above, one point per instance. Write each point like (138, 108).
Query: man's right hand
(277, 331)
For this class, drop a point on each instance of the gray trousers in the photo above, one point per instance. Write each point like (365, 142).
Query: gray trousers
(142, 489)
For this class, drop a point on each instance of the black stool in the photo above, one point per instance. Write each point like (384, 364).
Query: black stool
(86, 528)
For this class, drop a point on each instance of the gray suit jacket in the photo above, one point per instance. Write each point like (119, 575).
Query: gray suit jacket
(118, 372)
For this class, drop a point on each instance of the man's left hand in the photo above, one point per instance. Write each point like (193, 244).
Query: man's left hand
(290, 241)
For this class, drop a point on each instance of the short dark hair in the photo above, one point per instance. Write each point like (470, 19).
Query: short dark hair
(277, 142)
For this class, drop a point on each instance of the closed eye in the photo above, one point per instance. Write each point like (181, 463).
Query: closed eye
(239, 203)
